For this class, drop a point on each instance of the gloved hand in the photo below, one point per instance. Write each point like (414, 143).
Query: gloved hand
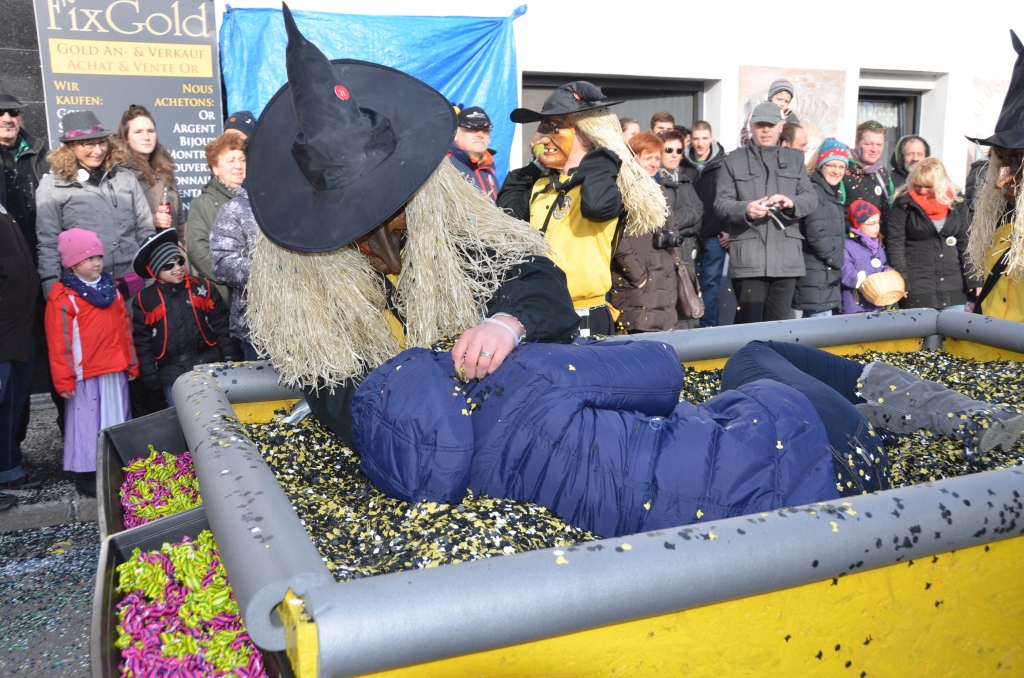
(152, 382)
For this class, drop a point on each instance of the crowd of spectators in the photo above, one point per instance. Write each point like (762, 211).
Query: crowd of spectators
(794, 237)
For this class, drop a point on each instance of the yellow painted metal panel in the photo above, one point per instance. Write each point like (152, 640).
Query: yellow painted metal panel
(979, 352)
(260, 412)
(955, 614)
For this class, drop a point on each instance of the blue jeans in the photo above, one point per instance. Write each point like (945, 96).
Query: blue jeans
(15, 383)
(818, 314)
(248, 350)
(709, 267)
(167, 394)
(830, 383)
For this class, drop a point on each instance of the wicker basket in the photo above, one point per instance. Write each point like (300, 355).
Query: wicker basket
(883, 289)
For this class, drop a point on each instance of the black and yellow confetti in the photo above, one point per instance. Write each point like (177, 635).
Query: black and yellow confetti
(362, 532)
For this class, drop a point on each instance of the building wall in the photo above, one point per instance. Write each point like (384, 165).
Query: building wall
(710, 41)
(19, 61)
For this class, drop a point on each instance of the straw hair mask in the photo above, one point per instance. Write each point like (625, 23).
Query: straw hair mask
(321, 318)
(990, 214)
(646, 209)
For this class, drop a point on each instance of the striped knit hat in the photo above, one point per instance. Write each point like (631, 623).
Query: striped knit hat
(832, 149)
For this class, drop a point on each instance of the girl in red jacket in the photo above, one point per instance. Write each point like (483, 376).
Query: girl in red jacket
(92, 357)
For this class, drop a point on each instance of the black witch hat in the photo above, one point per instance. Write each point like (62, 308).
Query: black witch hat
(340, 148)
(1010, 125)
(573, 97)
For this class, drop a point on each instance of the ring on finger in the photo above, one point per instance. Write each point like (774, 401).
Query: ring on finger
(485, 354)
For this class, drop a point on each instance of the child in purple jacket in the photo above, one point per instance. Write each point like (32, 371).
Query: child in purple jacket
(863, 256)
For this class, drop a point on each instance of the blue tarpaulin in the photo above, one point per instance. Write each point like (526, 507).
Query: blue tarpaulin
(471, 60)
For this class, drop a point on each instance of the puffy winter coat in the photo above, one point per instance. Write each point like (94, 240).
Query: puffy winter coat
(23, 166)
(876, 188)
(202, 213)
(19, 290)
(933, 263)
(824, 232)
(595, 432)
(86, 341)
(763, 248)
(644, 288)
(687, 210)
(480, 174)
(858, 263)
(705, 182)
(116, 211)
(232, 242)
(177, 327)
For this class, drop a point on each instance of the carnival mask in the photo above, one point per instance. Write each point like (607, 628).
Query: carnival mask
(556, 135)
(383, 245)
(1009, 179)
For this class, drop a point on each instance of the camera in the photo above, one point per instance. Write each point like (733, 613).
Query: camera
(664, 240)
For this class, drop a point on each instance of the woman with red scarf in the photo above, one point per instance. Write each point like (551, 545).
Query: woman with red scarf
(927, 239)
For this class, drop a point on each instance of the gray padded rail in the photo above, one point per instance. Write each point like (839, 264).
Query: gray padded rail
(263, 544)
(982, 329)
(719, 342)
(448, 611)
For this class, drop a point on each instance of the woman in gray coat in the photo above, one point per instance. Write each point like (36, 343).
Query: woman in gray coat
(89, 189)
(226, 157)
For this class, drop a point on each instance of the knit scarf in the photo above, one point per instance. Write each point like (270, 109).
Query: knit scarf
(933, 207)
(869, 169)
(100, 295)
(871, 243)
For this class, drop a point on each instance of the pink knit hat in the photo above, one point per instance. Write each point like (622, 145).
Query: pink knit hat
(75, 245)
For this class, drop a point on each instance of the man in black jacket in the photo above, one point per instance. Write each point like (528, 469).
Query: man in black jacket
(763, 192)
(24, 162)
(703, 158)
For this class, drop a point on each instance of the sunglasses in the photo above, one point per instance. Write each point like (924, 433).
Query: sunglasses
(173, 263)
(674, 151)
(15, 112)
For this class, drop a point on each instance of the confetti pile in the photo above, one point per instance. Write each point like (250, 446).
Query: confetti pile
(179, 617)
(923, 457)
(159, 485)
(362, 532)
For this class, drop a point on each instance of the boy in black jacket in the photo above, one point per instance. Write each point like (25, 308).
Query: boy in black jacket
(180, 321)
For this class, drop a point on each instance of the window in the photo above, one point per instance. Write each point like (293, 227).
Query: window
(899, 111)
(641, 98)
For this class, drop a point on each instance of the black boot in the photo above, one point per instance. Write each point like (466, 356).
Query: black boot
(85, 483)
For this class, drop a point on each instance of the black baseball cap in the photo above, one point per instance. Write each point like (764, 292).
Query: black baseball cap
(474, 117)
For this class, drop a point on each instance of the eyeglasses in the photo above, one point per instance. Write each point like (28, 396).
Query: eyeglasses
(173, 263)
(15, 112)
(674, 151)
(834, 166)
(92, 143)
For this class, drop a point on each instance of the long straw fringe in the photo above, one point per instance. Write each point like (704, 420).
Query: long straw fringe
(321, 319)
(646, 209)
(991, 214)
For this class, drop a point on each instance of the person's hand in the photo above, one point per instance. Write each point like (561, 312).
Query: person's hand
(67, 394)
(723, 240)
(755, 210)
(162, 221)
(481, 349)
(131, 377)
(782, 201)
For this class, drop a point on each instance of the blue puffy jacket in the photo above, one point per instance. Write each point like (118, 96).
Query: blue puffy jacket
(595, 432)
